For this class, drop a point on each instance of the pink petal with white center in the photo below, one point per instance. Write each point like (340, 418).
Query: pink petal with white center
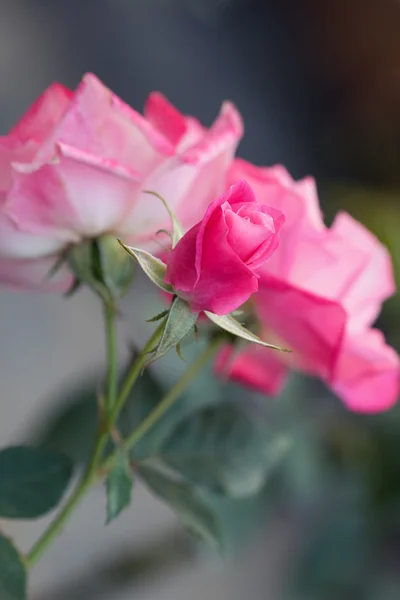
(34, 274)
(15, 243)
(79, 195)
(190, 181)
(99, 123)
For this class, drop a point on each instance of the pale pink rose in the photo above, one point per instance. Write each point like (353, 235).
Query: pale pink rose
(215, 265)
(319, 295)
(77, 165)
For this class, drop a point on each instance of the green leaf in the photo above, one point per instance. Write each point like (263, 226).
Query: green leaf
(71, 426)
(13, 580)
(177, 229)
(335, 559)
(32, 481)
(179, 322)
(238, 518)
(119, 487)
(225, 450)
(204, 391)
(194, 512)
(153, 267)
(230, 324)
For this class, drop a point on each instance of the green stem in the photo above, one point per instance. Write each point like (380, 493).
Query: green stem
(90, 474)
(111, 343)
(168, 400)
(133, 373)
(83, 486)
(114, 405)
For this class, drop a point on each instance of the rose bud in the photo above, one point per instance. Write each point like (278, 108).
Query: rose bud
(214, 267)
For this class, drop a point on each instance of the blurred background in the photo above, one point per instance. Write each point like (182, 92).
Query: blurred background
(318, 85)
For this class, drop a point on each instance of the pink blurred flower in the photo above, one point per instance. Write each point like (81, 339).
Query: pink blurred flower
(318, 295)
(77, 164)
(215, 265)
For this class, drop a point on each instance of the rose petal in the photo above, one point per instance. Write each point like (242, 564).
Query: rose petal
(367, 376)
(165, 117)
(375, 282)
(34, 275)
(41, 118)
(253, 232)
(253, 366)
(311, 326)
(99, 123)
(346, 264)
(273, 186)
(18, 244)
(190, 181)
(223, 282)
(80, 195)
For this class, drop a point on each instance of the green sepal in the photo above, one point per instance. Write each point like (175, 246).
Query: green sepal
(228, 323)
(158, 317)
(154, 268)
(177, 229)
(102, 265)
(179, 322)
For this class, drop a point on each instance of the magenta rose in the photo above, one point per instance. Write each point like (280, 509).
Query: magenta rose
(319, 296)
(215, 266)
(77, 164)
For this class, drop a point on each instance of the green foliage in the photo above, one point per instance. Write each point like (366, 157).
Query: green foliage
(119, 487)
(238, 517)
(346, 468)
(213, 452)
(206, 391)
(32, 481)
(12, 572)
(225, 450)
(186, 499)
(334, 561)
(71, 426)
(222, 522)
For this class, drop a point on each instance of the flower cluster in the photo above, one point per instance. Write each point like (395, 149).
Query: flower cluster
(79, 165)
(318, 295)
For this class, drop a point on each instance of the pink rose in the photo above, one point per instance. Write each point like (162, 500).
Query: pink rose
(77, 165)
(215, 266)
(319, 295)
